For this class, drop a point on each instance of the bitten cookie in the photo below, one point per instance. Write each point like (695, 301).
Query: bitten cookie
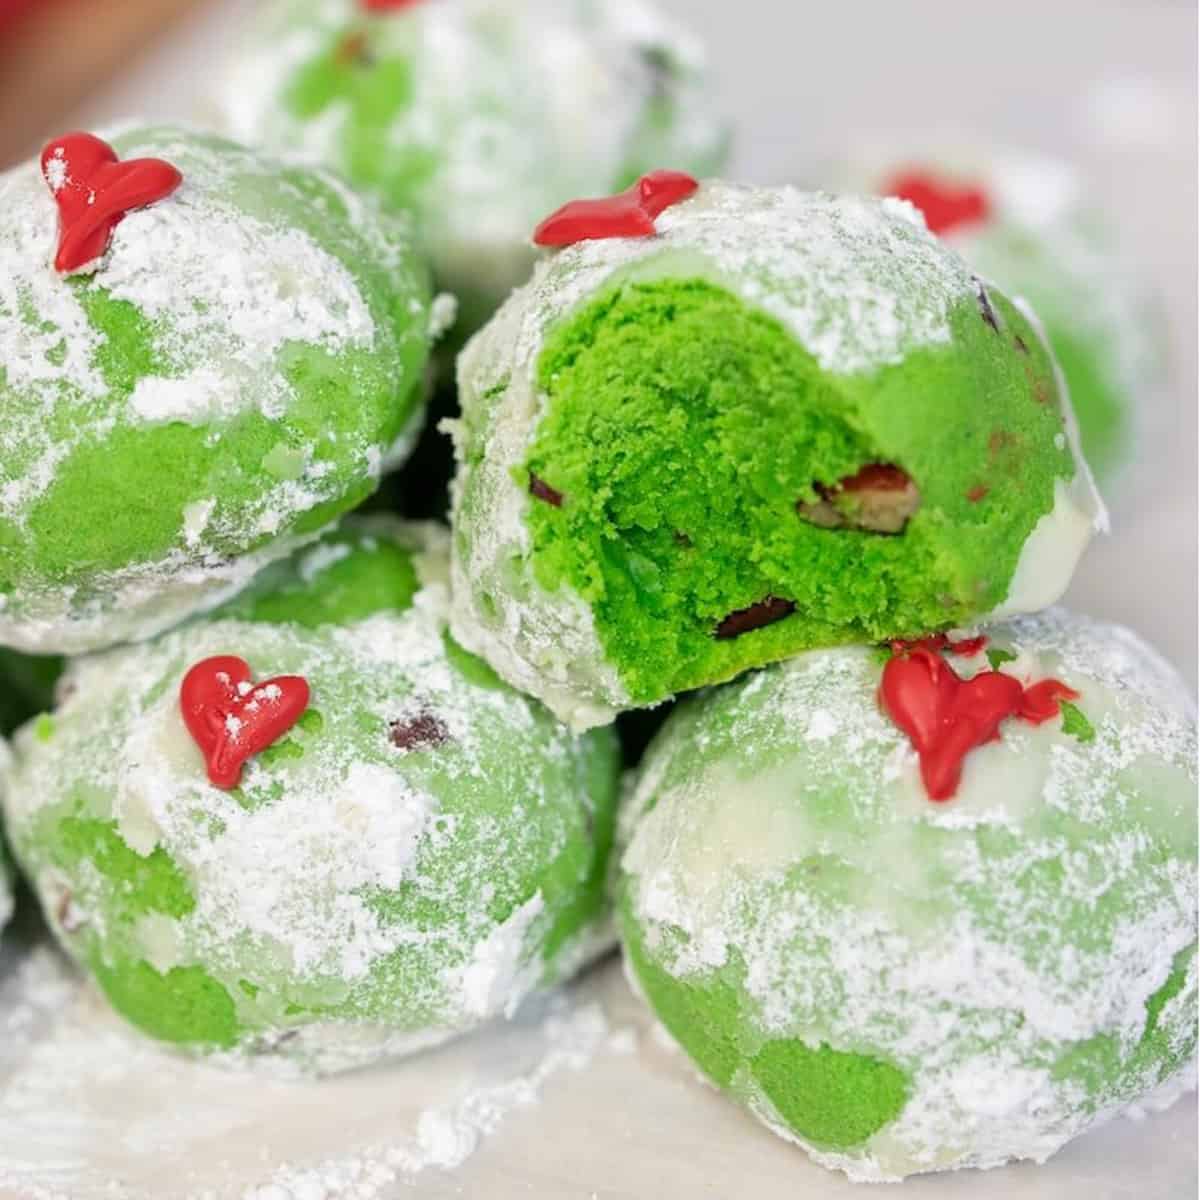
(725, 424)
(1028, 224)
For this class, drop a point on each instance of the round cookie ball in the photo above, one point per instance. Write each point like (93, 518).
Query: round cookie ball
(786, 420)
(418, 853)
(899, 985)
(479, 116)
(1029, 225)
(236, 370)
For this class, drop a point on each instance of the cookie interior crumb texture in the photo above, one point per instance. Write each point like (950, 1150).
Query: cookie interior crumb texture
(677, 455)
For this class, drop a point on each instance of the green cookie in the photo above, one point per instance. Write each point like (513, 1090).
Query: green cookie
(481, 117)
(418, 853)
(900, 985)
(788, 420)
(239, 368)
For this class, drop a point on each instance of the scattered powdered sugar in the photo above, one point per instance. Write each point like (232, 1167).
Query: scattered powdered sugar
(217, 284)
(447, 1136)
(89, 1111)
(1048, 906)
(321, 558)
(822, 725)
(229, 288)
(143, 599)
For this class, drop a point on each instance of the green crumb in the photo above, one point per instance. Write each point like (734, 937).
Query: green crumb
(281, 751)
(685, 434)
(311, 721)
(1075, 723)
(997, 656)
(43, 727)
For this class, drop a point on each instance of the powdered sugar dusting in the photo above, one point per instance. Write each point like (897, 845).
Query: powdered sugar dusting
(513, 106)
(859, 282)
(496, 963)
(216, 295)
(89, 1112)
(217, 284)
(973, 944)
(304, 877)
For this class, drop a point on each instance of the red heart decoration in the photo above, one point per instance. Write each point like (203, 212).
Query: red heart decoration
(966, 647)
(629, 214)
(946, 717)
(1041, 702)
(232, 718)
(944, 206)
(94, 190)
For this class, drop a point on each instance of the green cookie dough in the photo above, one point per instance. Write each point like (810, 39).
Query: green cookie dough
(423, 849)
(1043, 238)
(661, 440)
(479, 116)
(900, 985)
(241, 366)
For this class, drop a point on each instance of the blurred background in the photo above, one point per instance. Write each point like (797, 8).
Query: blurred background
(1110, 86)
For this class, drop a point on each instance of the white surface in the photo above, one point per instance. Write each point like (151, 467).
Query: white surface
(595, 1106)
(1113, 85)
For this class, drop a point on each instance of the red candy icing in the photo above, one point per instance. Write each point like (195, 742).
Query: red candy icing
(967, 647)
(94, 190)
(946, 717)
(945, 206)
(630, 214)
(232, 718)
(388, 5)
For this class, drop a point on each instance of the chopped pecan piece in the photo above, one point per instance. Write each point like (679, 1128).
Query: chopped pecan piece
(539, 489)
(880, 498)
